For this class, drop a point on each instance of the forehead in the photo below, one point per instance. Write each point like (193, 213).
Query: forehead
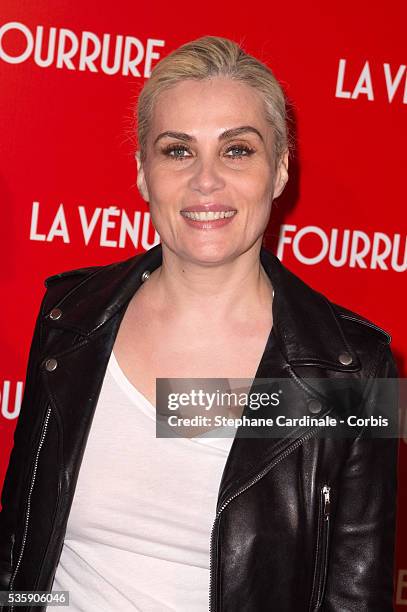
(218, 103)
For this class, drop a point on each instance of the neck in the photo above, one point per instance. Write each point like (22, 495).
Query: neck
(237, 290)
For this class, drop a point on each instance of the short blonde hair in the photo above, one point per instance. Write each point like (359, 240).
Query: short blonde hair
(207, 57)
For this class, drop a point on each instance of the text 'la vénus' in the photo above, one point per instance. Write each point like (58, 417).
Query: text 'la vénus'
(110, 227)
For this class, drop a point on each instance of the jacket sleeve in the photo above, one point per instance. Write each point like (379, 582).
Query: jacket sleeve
(19, 462)
(360, 572)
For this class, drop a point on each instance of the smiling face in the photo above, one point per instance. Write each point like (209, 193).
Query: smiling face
(210, 149)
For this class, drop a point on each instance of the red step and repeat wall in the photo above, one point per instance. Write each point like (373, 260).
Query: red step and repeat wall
(70, 73)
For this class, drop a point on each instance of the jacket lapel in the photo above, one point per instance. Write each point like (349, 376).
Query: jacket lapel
(306, 332)
(302, 317)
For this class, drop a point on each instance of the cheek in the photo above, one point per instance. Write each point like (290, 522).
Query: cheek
(163, 185)
(254, 188)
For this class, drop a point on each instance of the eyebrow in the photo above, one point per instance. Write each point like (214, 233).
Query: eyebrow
(232, 133)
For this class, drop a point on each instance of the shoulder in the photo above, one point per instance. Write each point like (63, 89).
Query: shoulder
(62, 283)
(83, 281)
(353, 320)
(371, 342)
(75, 274)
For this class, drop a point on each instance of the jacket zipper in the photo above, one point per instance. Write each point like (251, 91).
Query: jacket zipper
(27, 516)
(321, 561)
(244, 488)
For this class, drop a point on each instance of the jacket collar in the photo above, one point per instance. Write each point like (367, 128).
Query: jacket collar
(305, 325)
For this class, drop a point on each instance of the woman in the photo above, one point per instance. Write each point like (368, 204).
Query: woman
(138, 522)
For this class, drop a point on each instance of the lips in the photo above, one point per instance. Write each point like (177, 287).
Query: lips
(209, 215)
(210, 207)
(212, 211)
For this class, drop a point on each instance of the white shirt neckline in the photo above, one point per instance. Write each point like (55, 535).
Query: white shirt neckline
(138, 399)
(129, 389)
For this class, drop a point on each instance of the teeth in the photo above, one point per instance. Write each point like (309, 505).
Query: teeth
(208, 216)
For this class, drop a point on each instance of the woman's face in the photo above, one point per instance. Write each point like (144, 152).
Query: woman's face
(210, 148)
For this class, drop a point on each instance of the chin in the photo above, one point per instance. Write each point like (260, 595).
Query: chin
(214, 252)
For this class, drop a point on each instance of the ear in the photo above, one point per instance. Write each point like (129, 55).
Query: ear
(282, 175)
(141, 180)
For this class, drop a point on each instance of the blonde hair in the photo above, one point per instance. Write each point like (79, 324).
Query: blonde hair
(207, 57)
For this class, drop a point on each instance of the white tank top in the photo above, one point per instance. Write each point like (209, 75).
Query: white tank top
(139, 528)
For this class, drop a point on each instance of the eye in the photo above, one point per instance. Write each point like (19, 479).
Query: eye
(240, 151)
(175, 151)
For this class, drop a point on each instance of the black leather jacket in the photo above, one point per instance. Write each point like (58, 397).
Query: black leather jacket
(277, 544)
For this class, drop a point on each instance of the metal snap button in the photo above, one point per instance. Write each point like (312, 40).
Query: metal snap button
(314, 406)
(51, 364)
(55, 313)
(345, 358)
(145, 276)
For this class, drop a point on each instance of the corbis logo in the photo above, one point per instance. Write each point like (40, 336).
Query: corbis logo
(64, 48)
(311, 245)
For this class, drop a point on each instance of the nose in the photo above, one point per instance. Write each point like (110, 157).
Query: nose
(206, 176)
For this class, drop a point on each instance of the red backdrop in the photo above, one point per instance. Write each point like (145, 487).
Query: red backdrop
(69, 77)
